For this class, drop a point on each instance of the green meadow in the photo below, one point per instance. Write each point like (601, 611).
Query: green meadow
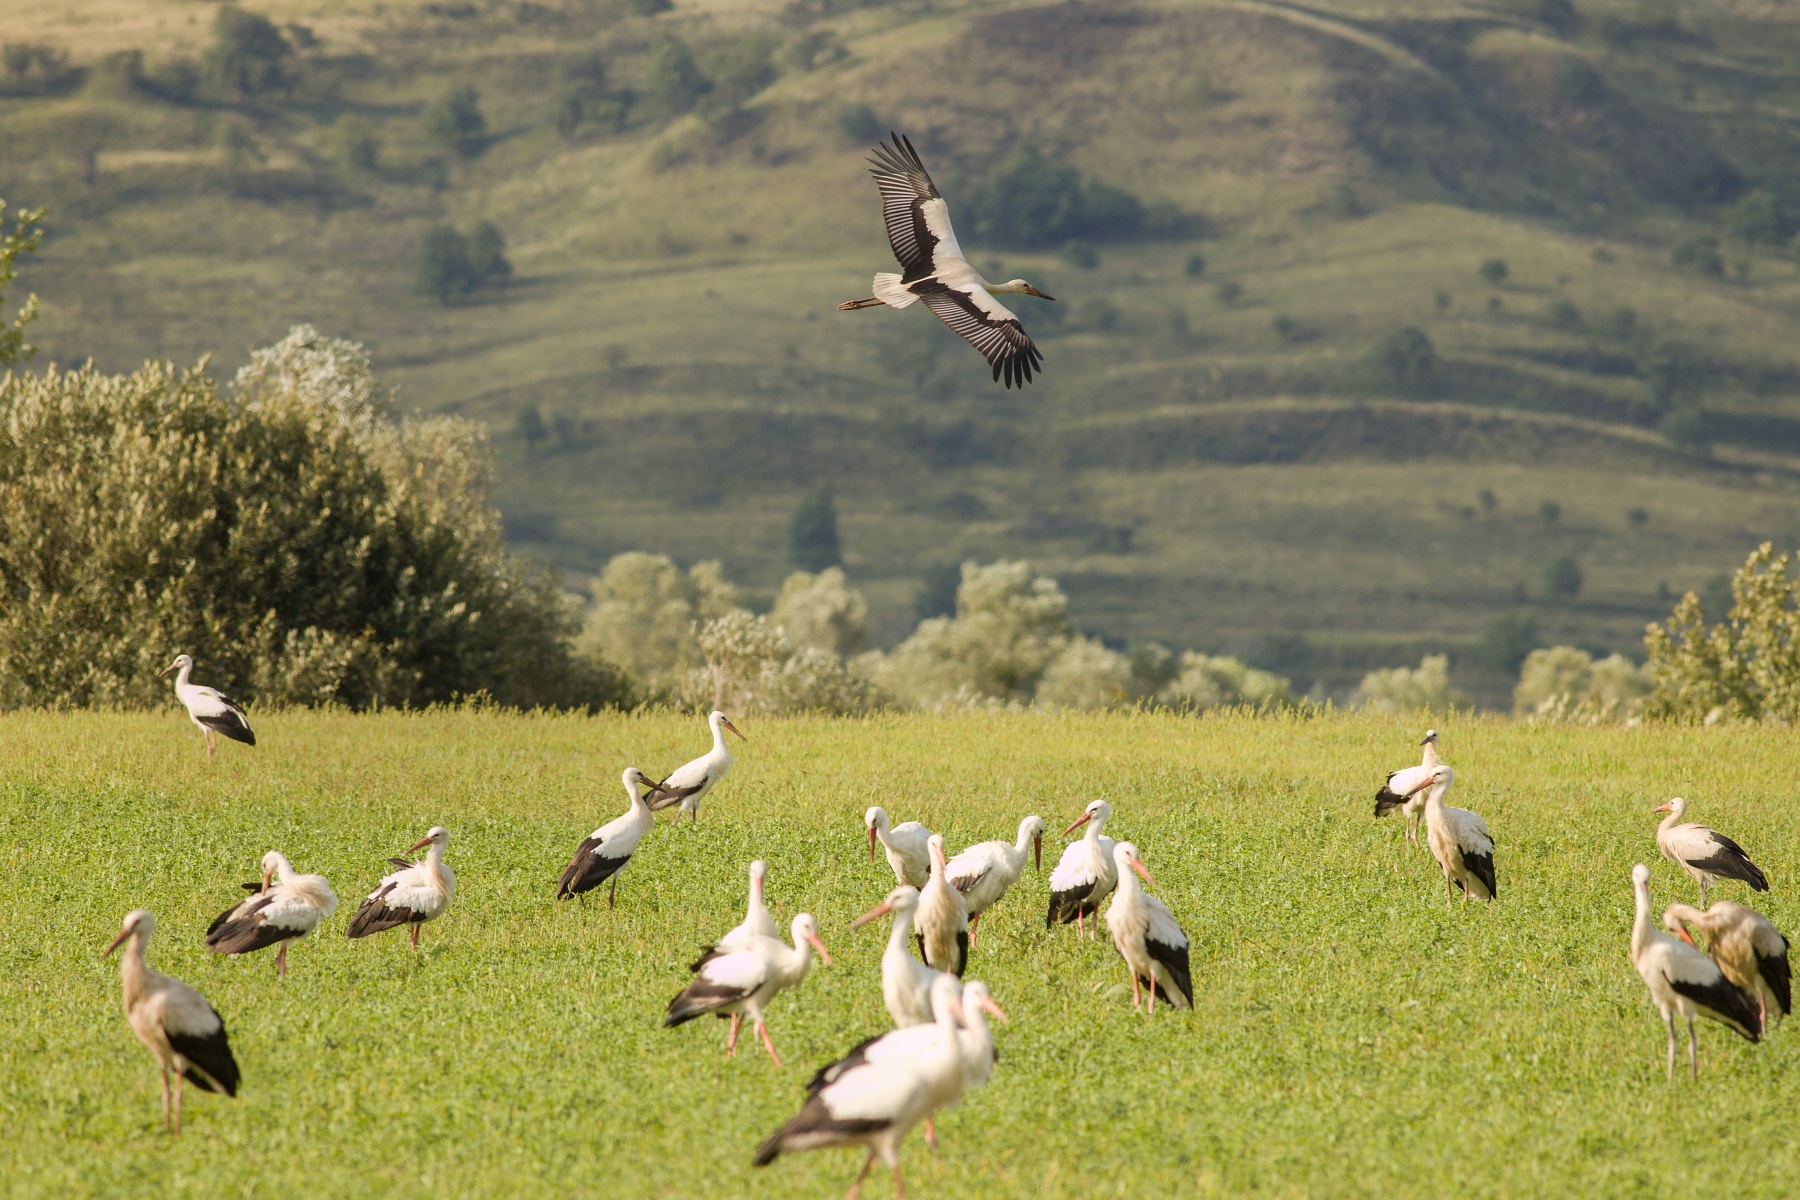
(1354, 1036)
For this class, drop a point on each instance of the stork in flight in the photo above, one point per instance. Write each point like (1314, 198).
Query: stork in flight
(933, 269)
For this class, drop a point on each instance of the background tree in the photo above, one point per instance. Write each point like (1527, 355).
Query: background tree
(1033, 201)
(488, 264)
(1406, 689)
(443, 271)
(354, 143)
(1563, 578)
(455, 121)
(248, 55)
(672, 77)
(813, 533)
(1747, 665)
(27, 232)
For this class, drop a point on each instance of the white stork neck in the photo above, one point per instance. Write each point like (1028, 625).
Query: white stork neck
(1093, 831)
(1642, 932)
(900, 932)
(134, 973)
(1022, 847)
(718, 732)
(1673, 819)
(1128, 887)
(181, 677)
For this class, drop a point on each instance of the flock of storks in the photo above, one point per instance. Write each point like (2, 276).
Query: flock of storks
(941, 1045)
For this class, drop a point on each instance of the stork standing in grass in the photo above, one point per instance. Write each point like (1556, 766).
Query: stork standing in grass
(933, 269)
(1702, 853)
(212, 711)
(1684, 982)
(987, 870)
(1086, 875)
(1748, 948)
(943, 919)
(757, 922)
(414, 894)
(174, 1022)
(688, 784)
(604, 852)
(906, 982)
(743, 982)
(1459, 840)
(1147, 936)
(904, 844)
(1402, 790)
(285, 907)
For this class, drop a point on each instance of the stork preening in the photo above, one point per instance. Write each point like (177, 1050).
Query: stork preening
(904, 844)
(1086, 875)
(757, 922)
(1403, 788)
(211, 711)
(1147, 935)
(987, 870)
(942, 919)
(741, 983)
(283, 908)
(1748, 948)
(175, 1023)
(1684, 982)
(414, 894)
(933, 269)
(604, 852)
(688, 784)
(1703, 853)
(1459, 840)
(905, 981)
(874, 1095)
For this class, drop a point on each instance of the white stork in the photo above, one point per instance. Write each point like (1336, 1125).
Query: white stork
(1702, 853)
(905, 981)
(942, 918)
(979, 1054)
(1459, 840)
(904, 845)
(934, 270)
(414, 894)
(277, 913)
(1147, 936)
(174, 1022)
(1748, 948)
(743, 982)
(757, 922)
(1402, 789)
(985, 871)
(1086, 875)
(604, 852)
(688, 784)
(1683, 981)
(874, 1095)
(211, 711)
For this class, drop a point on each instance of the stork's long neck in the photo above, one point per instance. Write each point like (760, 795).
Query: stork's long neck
(1128, 888)
(284, 870)
(1434, 799)
(1093, 832)
(134, 973)
(1642, 932)
(1022, 847)
(800, 957)
(756, 894)
(901, 931)
(1672, 820)
(181, 677)
(1431, 760)
(718, 732)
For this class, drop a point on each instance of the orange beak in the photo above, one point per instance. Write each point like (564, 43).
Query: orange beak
(1077, 823)
(824, 957)
(165, 670)
(1682, 933)
(1663, 807)
(879, 911)
(871, 843)
(114, 944)
(1144, 871)
(728, 725)
(267, 875)
(994, 1010)
(418, 845)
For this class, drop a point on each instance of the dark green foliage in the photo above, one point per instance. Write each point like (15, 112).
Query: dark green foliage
(672, 78)
(1095, 312)
(649, 8)
(1674, 370)
(1564, 315)
(1563, 578)
(248, 54)
(740, 69)
(1080, 254)
(1495, 271)
(1441, 300)
(1759, 217)
(176, 80)
(353, 143)
(1404, 361)
(530, 425)
(1698, 253)
(1033, 201)
(1550, 512)
(27, 69)
(936, 596)
(1229, 292)
(443, 270)
(455, 121)
(1489, 501)
(1686, 426)
(28, 231)
(1506, 641)
(1559, 15)
(859, 123)
(487, 255)
(1638, 516)
(1285, 327)
(1195, 266)
(1340, 200)
(1621, 323)
(813, 534)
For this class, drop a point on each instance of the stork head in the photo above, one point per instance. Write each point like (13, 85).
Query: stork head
(1098, 812)
(1674, 920)
(759, 870)
(274, 864)
(876, 818)
(976, 996)
(807, 930)
(181, 662)
(1430, 737)
(436, 837)
(1441, 776)
(903, 899)
(1018, 287)
(1640, 876)
(1125, 857)
(139, 922)
(1033, 827)
(719, 720)
(946, 998)
(935, 846)
(1678, 806)
(636, 782)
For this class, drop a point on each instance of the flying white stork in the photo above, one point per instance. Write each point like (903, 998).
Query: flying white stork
(604, 852)
(414, 894)
(1702, 853)
(904, 845)
(1147, 935)
(688, 784)
(211, 711)
(1459, 840)
(1684, 982)
(276, 914)
(874, 1095)
(985, 871)
(1748, 948)
(743, 982)
(1086, 875)
(1402, 790)
(757, 922)
(174, 1022)
(934, 270)
(942, 918)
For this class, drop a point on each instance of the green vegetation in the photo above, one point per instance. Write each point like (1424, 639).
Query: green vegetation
(1357, 1038)
(26, 233)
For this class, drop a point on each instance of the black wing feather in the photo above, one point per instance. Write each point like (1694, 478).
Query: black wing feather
(831, 1071)
(210, 1063)
(1481, 866)
(1724, 1003)
(1387, 799)
(905, 185)
(374, 915)
(1175, 960)
(1731, 862)
(664, 796)
(232, 723)
(587, 870)
(1775, 972)
(1005, 344)
(1064, 905)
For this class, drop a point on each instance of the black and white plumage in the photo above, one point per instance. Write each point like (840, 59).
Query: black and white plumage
(1147, 936)
(1684, 982)
(1459, 840)
(284, 907)
(987, 870)
(942, 919)
(905, 981)
(1404, 791)
(212, 711)
(173, 1021)
(688, 784)
(1704, 853)
(933, 269)
(874, 1095)
(603, 853)
(905, 846)
(1086, 875)
(1748, 948)
(741, 982)
(414, 894)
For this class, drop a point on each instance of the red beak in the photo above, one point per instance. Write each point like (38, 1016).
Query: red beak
(820, 947)
(871, 843)
(728, 725)
(267, 875)
(994, 1010)
(1037, 851)
(1083, 819)
(1682, 933)
(880, 910)
(418, 845)
(114, 944)
(1141, 869)
(1664, 807)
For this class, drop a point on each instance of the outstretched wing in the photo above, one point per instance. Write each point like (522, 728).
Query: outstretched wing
(987, 325)
(909, 201)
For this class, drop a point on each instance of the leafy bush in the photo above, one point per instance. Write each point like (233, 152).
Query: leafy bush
(30, 69)
(1747, 665)
(752, 667)
(451, 265)
(487, 255)
(27, 232)
(1759, 217)
(1495, 271)
(1403, 361)
(1211, 682)
(822, 612)
(455, 121)
(1699, 253)
(740, 69)
(1085, 676)
(248, 54)
(1033, 201)
(1563, 578)
(672, 77)
(353, 143)
(813, 533)
(1406, 689)
(1009, 625)
(293, 538)
(858, 122)
(1506, 641)
(645, 614)
(1562, 683)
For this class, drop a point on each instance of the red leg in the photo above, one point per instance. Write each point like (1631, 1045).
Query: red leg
(166, 1126)
(281, 960)
(931, 1134)
(973, 922)
(1137, 993)
(180, 1080)
(764, 1030)
(737, 1020)
(613, 893)
(899, 1188)
(856, 1188)
(415, 934)
(1078, 927)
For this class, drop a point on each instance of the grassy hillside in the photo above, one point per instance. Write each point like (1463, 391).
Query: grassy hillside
(1357, 1038)
(1216, 457)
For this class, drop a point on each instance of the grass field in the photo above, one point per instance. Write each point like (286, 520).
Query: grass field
(1354, 1037)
